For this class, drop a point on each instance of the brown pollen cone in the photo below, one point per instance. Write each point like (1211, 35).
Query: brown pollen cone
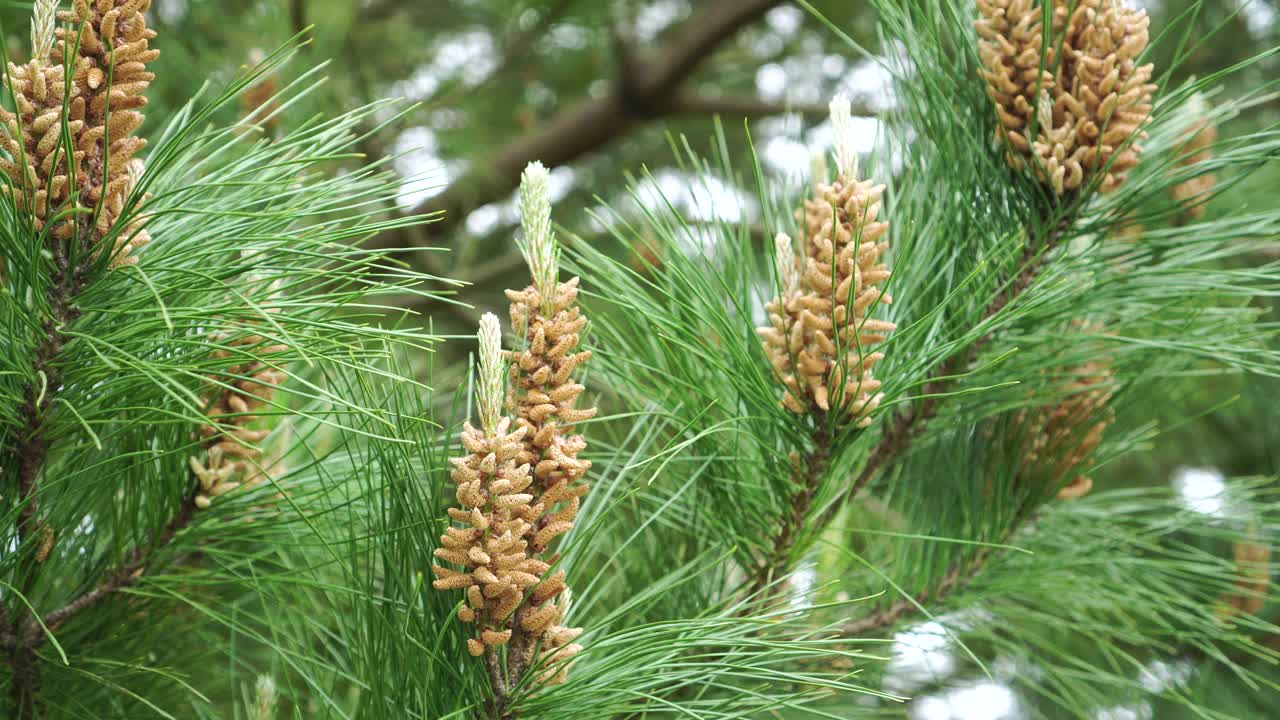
(1253, 564)
(494, 500)
(543, 396)
(1010, 40)
(1059, 439)
(819, 337)
(1089, 115)
(39, 172)
(1197, 149)
(108, 41)
(231, 446)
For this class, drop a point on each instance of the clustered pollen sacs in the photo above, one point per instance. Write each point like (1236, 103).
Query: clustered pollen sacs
(520, 485)
(105, 43)
(1075, 108)
(1059, 439)
(231, 444)
(819, 337)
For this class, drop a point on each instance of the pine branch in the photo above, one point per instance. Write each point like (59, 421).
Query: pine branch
(909, 424)
(955, 579)
(129, 572)
(808, 474)
(692, 103)
(32, 449)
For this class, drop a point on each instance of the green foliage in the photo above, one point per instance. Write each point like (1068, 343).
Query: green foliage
(320, 580)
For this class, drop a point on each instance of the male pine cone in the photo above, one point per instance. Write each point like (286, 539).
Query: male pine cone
(491, 546)
(819, 335)
(1059, 439)
(231, 445)
(544, 396)
(1075, 108)
(106, 48)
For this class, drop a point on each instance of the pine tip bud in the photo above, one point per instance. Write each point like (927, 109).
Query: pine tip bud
(842, 128)
(491, 372)
(539, 244)
(266, 698)
(784, 258)
(43, 22)
(818, 169)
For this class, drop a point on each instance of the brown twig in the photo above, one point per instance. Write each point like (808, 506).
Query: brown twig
(647, 90)
(497, 681)
(129, 571)
(692, 103)
(807, 474)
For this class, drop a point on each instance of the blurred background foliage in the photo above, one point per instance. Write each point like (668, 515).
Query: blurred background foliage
(604, 92)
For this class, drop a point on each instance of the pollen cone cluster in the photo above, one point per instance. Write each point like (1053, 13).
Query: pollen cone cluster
(494, 510)
(231, 446)
(520, 486)
(38, 169)
(1253, 584)
(819, 337)
(1059, 439)
(96, 74)
(1198, 148)
(1073, 109)
(544, 397)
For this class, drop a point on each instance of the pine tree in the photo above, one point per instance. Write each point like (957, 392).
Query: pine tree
(705, 472)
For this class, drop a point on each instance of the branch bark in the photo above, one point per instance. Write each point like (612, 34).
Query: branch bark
(647, 90)
(690, 103)
(955, 579)
(809, 473)
(31, 449)
(128, 573)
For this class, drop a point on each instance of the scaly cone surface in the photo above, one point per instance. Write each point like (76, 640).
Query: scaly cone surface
(1075, 110)
(820, 335)
(108, 42)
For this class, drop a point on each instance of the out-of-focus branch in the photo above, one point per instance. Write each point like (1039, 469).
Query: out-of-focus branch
(298, 15)
(687, 103)
(648, 89)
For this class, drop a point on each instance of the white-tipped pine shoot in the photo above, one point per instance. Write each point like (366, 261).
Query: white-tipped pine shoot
(784, 259)
(43, 22)
(539, 242)
(265, 699)
(492, 372)
(818, 169)
(842, 129)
